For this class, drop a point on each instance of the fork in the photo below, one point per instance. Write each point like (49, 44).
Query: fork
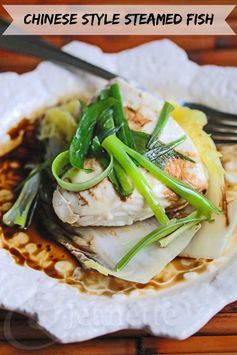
(221, 125)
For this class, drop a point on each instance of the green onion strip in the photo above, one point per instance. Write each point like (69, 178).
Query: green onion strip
(59, 164)
(195, 199)
(160, 125)
(19, 213)
(113, 146)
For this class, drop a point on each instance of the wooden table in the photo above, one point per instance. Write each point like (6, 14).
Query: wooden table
(220, 334)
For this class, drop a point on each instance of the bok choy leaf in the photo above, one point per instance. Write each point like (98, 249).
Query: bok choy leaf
(166, 233)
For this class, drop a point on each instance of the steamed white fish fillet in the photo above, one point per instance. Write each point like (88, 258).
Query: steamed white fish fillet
(101, 248)
(101, 205)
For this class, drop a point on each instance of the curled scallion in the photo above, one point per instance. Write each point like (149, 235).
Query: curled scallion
(62, 161)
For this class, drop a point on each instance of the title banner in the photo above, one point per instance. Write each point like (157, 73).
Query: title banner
(119, 19)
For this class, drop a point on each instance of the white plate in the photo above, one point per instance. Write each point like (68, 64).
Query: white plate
(164, 69)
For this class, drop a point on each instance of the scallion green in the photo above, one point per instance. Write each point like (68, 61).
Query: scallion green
(195, 199)
(81, 141)
(113, 146)
(158, 234)
(63, 160)
(120, 120)
(161, 122)
(19, 213)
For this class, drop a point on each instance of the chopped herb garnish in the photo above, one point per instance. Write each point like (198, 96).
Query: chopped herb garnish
(162, 153)
(62, 161)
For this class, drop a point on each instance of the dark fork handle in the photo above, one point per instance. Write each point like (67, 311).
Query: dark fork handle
(34, 46)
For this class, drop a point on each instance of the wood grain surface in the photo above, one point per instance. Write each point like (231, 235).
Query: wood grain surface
(20, 335)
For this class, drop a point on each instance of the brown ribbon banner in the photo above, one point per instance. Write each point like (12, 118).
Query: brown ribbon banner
(119, 19)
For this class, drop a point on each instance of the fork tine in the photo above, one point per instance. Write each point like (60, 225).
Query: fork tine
(209, 110)
(214, 115)
(221, 125)
(221, 129)
(222, 134)
(224, 139)
(222, 121)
